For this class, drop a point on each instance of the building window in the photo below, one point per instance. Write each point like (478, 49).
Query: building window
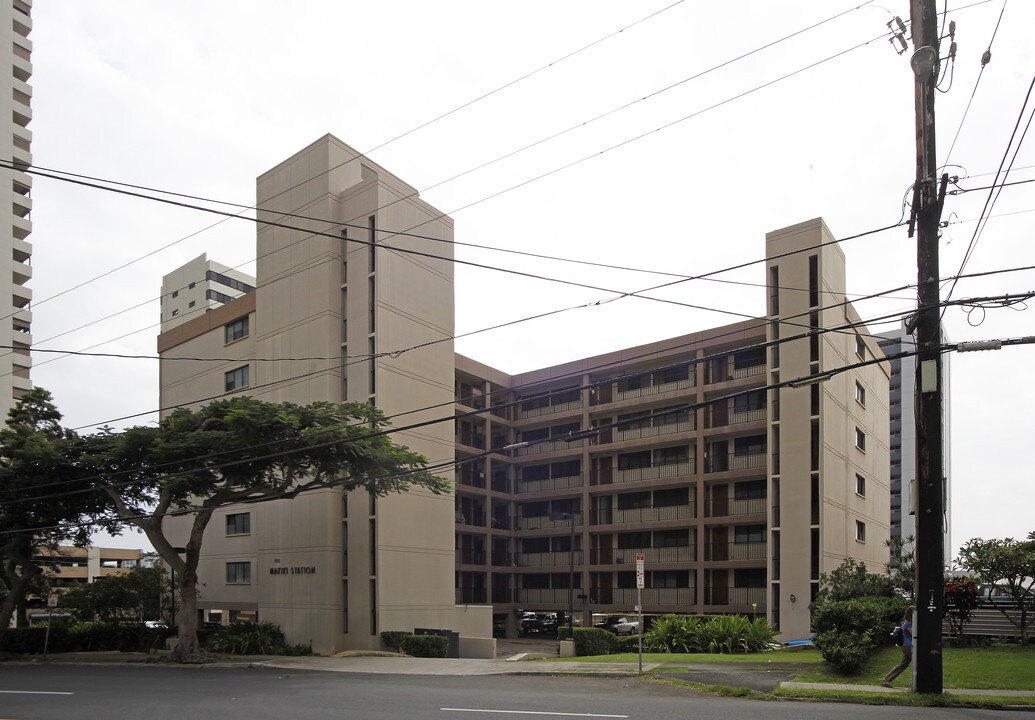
(860, 531)
(860, 439)
(237, 379)
(191, 286)
(238, 573)
(236, 330)
(191, 304)
(860, 394)
(176, 293)
(860, 485)
(175, 313)
(860, 347)
(239, 524)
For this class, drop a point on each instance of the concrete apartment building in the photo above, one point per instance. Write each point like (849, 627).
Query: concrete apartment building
(738, 497)
(903, 437)
(200, 286)
(75, 565)
(15, 261)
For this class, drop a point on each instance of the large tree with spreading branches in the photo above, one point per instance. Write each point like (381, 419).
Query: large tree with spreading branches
(240, 450)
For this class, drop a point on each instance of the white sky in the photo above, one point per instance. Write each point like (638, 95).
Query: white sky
(201, 97)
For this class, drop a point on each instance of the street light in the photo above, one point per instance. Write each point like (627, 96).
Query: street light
(570, 517)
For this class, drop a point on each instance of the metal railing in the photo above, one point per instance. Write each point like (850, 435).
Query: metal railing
(653, 472)
(522, 412)
(742, 596)
(552, 596)
(735, 461)
(547, 559)
(721, 552)
(687, 425)
(622, 556)
(550, 446)
(653, 596)
(750, 506)
(546, 522)
(645, 514)
(652, 389)
(471, 557)
(560, 483)
(476, 519)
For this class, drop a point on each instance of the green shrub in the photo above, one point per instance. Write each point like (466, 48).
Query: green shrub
(629, 643)
(726, 634)
(298, 649)
(242, 638)
(29, 641)
(675, 634)
(426, 646)
(847, 652)
(760, 635)
(594, 641)
(392, 639)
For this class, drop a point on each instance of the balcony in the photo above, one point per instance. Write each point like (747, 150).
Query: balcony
(470, 519)
(543, 596)
(644, 514)
(606, 476)
(626, 597)
(735, 461)
(647, 390)
(723, 417)
(545, 522)
(549, 446)
(558, 483)
(636, 433)
(724, 552)
(467, 556)
(531, 410)
(547, 559)
(748, 506)
(743, 596)
(470, 596)
(736, 367)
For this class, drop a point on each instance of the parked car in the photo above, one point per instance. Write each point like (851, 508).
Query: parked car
(619, 625)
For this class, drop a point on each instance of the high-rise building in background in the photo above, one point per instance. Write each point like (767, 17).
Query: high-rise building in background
(15, 363)
(903, 437)
(198, 287)
(738, 494)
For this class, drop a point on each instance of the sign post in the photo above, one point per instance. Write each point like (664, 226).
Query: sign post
(639, 603)
(52, 601)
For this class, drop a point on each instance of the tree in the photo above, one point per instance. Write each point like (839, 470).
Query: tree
(40, 502)
(1011, 564)
(961, 600)
(116, 598)
(242, 450)
(901, 567)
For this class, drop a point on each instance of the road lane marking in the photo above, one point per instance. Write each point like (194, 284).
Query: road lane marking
(531, 712)
(34, 692)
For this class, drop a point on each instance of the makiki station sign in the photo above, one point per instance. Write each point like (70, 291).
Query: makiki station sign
(294, 570)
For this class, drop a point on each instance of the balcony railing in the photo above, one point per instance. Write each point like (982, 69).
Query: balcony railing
(742, 596)
(606, 476)
(687, 425)
(720, 552)
(471, 519)
(546, 596)
(470, 596)
(547, 559)
(735, 461)
(471, 557)
(650, 596)
(559, 483)
(550, 446)
(531, 412)
(622, 556)
(750, 506)
(502, 595)
(502, 559)
(546, 522)
(645, 514)
(647, 390)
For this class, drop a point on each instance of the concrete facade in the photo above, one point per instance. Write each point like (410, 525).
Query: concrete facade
(16, 258)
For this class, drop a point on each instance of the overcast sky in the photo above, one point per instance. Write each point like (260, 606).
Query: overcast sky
(200, 97)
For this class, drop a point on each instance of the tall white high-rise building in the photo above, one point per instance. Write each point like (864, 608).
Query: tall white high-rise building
(15, 362)
(198, 287)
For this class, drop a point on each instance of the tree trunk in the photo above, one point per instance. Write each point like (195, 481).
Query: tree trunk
(188, 649)
(16, 597)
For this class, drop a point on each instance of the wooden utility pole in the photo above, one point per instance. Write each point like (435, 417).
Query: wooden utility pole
(930, 539)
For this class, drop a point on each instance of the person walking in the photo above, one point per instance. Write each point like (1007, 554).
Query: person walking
(907, 647)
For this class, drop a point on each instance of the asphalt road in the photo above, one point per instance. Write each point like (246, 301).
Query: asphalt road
(66, 692)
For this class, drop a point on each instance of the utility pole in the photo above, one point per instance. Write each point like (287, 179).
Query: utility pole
(930, 584)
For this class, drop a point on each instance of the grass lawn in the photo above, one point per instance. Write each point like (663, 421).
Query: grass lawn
(1002, 667)
(782, 656)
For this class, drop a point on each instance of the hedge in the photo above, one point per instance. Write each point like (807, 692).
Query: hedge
(428, 646)
(595, 641)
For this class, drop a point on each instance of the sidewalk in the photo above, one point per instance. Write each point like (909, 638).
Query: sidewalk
(446, 666)
(882, 689)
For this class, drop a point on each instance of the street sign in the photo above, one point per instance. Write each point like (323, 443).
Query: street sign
(639, 571)
(52, 601)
